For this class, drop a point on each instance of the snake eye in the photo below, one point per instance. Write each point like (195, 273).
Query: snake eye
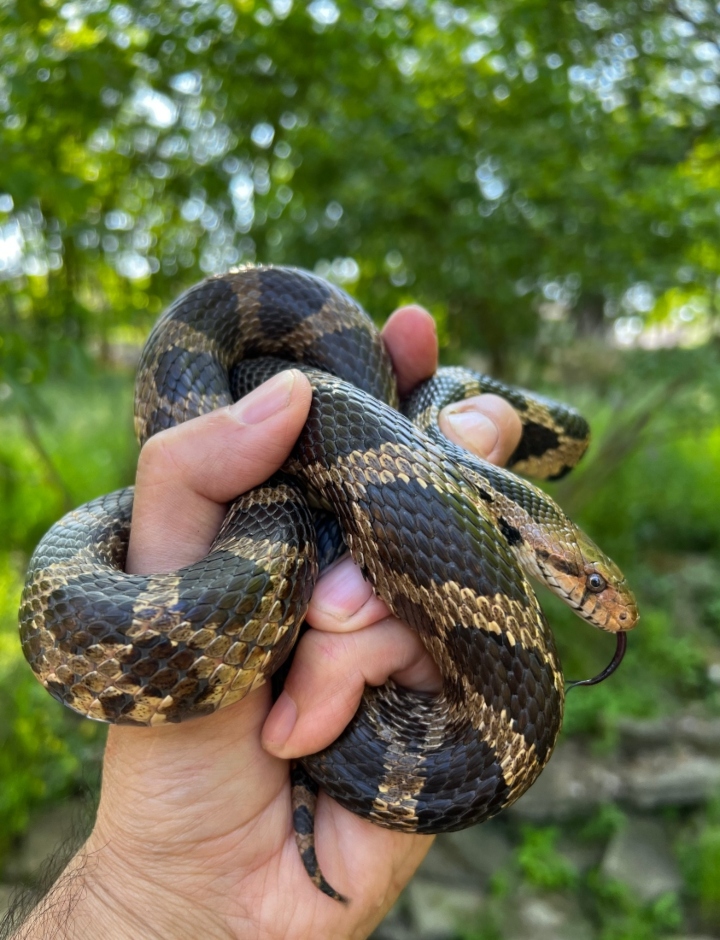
(596, 583)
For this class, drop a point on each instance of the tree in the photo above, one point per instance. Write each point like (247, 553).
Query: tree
(481, 159)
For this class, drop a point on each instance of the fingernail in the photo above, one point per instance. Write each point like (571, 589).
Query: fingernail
(342, 592)
(263, 402)
(475, 430)
(284, 719)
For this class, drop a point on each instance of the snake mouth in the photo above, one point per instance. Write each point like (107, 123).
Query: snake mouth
(557, 587)
(578, 605)
(620, 648)
(612, 610)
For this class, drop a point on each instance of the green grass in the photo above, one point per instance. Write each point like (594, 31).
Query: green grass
(77, 444)
(72, 441)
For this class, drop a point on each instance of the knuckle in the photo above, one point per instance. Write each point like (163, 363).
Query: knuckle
(159, 457)
(320, 647)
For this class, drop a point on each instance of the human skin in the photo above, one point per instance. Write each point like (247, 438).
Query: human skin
(194, 834)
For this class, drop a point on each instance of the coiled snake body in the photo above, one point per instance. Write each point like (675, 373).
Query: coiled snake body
(446, 540)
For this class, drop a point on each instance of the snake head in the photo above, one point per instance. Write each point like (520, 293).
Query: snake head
(590, 582)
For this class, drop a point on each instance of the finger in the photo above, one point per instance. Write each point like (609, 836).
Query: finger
(188, 473)
(327, 696)
(486, 425)
(327, 679)
(411, 339)
(343, 600)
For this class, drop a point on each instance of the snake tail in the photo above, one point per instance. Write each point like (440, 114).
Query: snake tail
(304, 802)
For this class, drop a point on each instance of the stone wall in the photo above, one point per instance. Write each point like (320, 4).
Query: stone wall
(658, 778)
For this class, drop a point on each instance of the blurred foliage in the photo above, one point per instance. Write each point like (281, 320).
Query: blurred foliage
(76, 443)
(624, 917)
(542, 175)
(540, 862)
(705, 872)
(700, 856)
(648, 494)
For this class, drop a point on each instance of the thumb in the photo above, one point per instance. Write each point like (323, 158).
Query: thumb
(188, 473)
(486, 425)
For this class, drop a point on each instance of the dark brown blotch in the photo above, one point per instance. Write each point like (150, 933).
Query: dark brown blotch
(536, 441)
(287, 299)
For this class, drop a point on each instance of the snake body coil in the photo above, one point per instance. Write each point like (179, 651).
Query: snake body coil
(446, 540)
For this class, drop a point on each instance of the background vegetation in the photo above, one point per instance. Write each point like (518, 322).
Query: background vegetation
(544, 175)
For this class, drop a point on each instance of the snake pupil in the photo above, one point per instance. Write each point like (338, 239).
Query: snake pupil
(596, 583)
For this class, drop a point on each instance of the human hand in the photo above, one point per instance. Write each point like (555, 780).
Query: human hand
(194, 830)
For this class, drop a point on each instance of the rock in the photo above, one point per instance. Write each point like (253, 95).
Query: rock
(393, 931)
(468, 858)
(437, 911)
(443, 867)
(582, 855)
(639, 733)
(448, 888)
(573, 784)
(671, 778)
(639, 857)
(546, 917)
(396, 925)
(702, 734)
(483, 850)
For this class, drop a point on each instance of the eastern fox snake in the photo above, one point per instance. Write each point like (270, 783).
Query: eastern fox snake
(446, 540)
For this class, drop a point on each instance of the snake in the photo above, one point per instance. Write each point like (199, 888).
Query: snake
(447, 540)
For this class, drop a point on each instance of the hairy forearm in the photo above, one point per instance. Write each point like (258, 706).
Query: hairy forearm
(90, 899)
(59, 911)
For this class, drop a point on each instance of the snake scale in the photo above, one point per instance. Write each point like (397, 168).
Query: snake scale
(448, 541)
